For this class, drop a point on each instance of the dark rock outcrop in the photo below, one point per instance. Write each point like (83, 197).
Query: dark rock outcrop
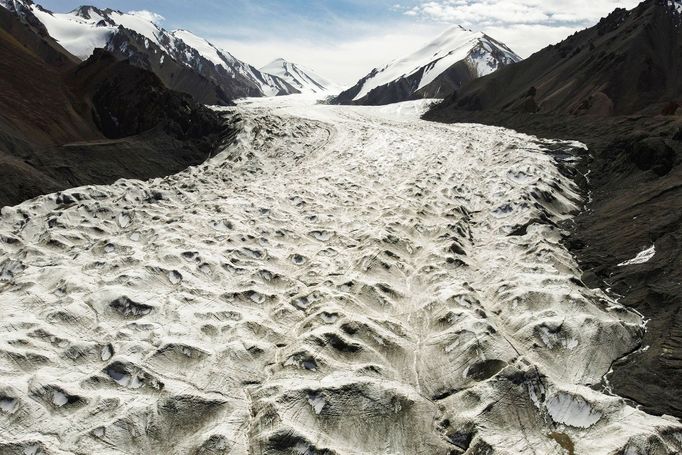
(64, 124)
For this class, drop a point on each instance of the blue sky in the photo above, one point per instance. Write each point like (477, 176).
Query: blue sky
(344, 39)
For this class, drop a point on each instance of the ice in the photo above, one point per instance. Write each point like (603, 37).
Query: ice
(317, 402)
(572, 410)
(174, 277)
(339, 278)
(8, 405)
(59, 399)
(107, 352)
(123, 220)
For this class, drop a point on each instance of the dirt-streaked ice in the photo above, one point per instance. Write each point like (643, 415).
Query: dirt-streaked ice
(338, 281)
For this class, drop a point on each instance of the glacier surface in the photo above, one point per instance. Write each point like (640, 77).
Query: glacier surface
(340, 280)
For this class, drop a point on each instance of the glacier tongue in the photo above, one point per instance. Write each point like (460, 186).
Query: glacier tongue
(339, 280)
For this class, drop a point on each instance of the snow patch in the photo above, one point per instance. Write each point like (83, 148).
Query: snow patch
(641, 258)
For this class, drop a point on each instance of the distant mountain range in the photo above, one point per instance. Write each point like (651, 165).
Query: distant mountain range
(435, 71)
(302, 79)
(183, 61)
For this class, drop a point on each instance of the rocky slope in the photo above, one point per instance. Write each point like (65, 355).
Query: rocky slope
(183, 61)
(303, 79)
(628, 63)
(65, 123)
(435, 71)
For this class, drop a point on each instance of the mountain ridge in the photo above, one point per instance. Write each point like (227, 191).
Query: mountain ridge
(456, 56)
(628, 62)
(179, 61)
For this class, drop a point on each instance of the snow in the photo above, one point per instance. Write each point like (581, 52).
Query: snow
(139, 23)
(301, 78)
(77, 35)
(452, 46)
(81, 36)
(676, 5)
(341, 272)
(641, 258)
(205, 49)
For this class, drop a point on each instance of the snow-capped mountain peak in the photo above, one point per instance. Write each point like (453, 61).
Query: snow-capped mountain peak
(454, 57)
(301, 78)
(137, 35)
(455, 44)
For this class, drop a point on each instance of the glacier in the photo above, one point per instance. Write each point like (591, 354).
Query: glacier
(339, 280)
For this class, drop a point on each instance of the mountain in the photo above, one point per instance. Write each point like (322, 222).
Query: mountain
(228, 65)
(631, 61)
(435, 71)
(182, 60)
(299, 77)
(617, 88)
(66, 123)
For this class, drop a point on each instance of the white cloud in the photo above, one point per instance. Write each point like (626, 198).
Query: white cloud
(343, 61)
(148, 15)
(497, 12)
(526, 26)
